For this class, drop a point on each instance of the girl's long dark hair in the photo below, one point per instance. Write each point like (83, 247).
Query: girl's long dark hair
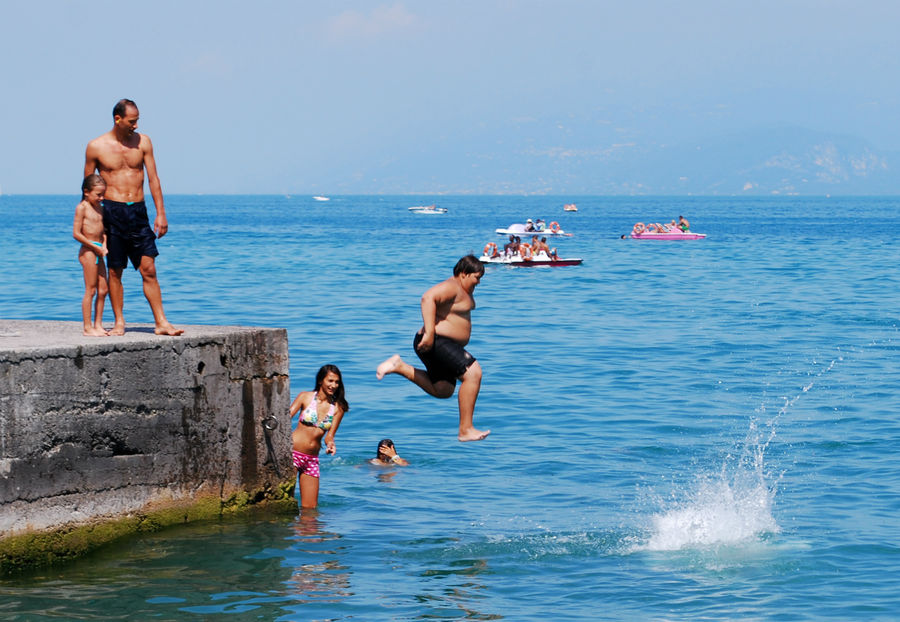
(339, 398)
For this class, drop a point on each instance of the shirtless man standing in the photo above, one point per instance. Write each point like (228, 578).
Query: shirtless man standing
(120, 157)
(440, 344)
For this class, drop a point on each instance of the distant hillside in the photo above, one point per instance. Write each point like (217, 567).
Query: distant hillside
(784, 161)
(534, 159)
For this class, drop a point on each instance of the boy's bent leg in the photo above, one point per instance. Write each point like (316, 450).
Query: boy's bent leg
(389, 366)
(153, 293)
(396, 365)
(117, 300)
(468, 393)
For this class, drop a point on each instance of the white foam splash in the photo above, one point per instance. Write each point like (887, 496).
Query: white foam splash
(731, 507)
(719, 512)
(734, 506)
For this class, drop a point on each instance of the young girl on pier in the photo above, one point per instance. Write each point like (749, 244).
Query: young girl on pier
(88, 229)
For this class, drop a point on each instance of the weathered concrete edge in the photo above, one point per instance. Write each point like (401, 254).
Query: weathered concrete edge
(38, 547)
(30, 551)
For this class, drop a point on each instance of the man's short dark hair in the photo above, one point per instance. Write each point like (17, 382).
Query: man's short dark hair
(121, 106)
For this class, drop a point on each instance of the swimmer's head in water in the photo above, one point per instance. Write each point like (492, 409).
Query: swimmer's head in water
(385, 442)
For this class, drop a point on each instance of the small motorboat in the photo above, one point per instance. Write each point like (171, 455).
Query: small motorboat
(570, 207)
(427, 209)
(662, 232)
(321, 198)
(521, 230)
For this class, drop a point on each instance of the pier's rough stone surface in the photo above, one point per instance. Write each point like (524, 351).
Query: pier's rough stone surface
(99, 428)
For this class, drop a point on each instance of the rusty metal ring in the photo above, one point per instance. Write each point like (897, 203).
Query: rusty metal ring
(270, 423)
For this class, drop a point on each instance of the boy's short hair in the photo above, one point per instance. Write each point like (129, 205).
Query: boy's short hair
(470, 264)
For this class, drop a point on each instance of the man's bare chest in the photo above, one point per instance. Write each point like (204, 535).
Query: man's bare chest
(121, 157)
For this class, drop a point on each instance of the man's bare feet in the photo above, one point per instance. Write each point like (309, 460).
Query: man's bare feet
(93, 331)
(473, 435)
(168, 330)
(117, 330)
(388, 366)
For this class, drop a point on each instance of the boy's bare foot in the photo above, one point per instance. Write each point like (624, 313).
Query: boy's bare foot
(168, 330)
(388, 366)
(93, 331)
(118, 330)
(473, 435)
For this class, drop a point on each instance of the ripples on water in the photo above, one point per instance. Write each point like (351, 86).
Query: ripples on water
(680, 430)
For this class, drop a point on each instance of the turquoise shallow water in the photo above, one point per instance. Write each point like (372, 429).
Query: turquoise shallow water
(681, 431)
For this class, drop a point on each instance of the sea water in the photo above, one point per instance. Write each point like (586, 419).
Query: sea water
(680, 430)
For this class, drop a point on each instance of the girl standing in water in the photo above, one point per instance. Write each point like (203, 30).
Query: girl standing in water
(320, 411)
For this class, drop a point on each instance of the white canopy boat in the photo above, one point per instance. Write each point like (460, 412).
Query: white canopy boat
(521, 230)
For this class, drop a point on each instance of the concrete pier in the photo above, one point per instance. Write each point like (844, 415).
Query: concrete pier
(100, 436)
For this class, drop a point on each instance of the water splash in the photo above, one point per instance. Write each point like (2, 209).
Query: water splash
(733, 506)
(718, 512)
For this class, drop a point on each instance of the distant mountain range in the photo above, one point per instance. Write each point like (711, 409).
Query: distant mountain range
(783, 161)
(772, 161)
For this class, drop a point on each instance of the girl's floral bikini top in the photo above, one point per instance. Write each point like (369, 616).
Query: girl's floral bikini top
(310, 415)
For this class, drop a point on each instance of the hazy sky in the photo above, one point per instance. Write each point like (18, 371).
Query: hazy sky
(317, 97)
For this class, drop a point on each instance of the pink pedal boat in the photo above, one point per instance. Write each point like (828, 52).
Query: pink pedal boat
(662, 232)
(668, 235)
